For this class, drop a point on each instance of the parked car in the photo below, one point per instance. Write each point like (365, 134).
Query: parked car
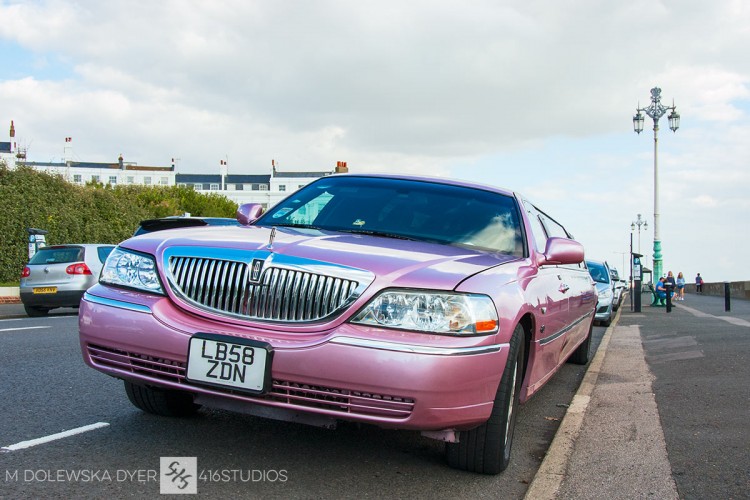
(150, 225)
(600, 273)
(619, 287)
(56, 276)
(403, 302)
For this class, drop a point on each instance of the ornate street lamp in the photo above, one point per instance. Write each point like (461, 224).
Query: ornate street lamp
(655, 111)
(638, 223)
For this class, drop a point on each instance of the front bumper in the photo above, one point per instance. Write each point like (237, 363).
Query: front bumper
(603, 310)
(349, 372)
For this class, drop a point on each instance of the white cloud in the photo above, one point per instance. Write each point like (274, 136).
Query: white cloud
(536, 96)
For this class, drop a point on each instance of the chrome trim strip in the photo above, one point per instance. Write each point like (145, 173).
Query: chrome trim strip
(554, 336)
(417, 349)
(117, 303)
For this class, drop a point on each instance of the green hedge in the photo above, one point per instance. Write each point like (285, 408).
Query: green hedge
(85, 214)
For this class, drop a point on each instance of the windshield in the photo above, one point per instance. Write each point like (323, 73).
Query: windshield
(406, 209)
(598, 272)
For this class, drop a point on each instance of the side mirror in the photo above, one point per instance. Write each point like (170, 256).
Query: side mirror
(249, 213)
(561, 251)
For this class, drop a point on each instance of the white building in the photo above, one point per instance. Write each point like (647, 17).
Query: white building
(267, 189)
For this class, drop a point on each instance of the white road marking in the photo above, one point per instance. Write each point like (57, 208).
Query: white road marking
(24, 328)
(53, 437)
(729, 319)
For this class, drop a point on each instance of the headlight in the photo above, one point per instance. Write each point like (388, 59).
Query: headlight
(606, 293)
(433, 312)
(134, 270)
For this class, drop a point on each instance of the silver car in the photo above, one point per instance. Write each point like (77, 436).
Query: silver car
(599, 272)
(57, 276)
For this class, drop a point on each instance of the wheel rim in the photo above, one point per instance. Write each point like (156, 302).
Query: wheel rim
(510, 402)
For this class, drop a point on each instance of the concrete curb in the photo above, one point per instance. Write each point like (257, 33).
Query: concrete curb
(551, 473)
(10, 295)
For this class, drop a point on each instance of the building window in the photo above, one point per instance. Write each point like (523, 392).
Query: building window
(164, 181)
(263, 187)
(147, 181)
(77, 178)
(256, 187)
(95, 178)
(214, 187)
(113, 180)
(198, 187)
(131, 179)
(239, 187)
(282, 187)
(181, 185)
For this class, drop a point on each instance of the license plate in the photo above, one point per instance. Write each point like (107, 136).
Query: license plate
(229, 362)
(45, 289)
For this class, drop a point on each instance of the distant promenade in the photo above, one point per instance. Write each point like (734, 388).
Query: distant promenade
(737, 289)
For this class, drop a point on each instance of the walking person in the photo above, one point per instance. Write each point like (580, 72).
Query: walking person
(699, 284)
(680, 286)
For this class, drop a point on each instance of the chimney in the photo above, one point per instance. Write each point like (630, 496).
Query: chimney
(12, 137)
(341, 167)
(120, 162)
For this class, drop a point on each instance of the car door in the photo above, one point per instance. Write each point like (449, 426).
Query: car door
(550, 291)
(581, 294)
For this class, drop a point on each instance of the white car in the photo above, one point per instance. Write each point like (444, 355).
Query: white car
(599, 272)
(57, 276)
(620, 286)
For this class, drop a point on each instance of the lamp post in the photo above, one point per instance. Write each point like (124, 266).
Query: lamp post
(639, 222)
(656, 110)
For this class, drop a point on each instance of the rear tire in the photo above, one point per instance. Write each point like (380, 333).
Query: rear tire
(486, 449)
(35, 312)
(161, 402)
(581, 355)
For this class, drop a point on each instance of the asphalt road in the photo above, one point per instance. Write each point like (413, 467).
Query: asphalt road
(47, 389)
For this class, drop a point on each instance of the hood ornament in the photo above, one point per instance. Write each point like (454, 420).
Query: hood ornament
(271, 238)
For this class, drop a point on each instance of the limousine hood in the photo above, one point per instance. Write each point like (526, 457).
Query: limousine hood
(393, 262)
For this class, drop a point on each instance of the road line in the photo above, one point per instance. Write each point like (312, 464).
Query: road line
(53, 437)
(24, 328)
(729, 319)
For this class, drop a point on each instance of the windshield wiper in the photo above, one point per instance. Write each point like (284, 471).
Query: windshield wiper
(297, 226)
(382, 234)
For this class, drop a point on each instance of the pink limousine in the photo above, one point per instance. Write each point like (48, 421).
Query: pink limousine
(403, 302)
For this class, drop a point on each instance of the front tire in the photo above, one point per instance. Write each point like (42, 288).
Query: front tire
(486, 449)
(161, 402)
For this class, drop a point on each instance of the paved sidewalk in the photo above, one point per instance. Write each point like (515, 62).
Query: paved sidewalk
(611, 443)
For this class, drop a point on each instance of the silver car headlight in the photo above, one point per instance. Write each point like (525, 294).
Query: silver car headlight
(432, 312)
(131, 269)
(606, 293)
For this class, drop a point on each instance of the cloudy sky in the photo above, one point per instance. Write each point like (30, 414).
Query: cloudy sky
(536, 96)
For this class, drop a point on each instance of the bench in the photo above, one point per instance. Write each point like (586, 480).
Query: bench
(656, 301)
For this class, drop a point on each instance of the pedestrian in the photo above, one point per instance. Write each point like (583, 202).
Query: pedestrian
(699, 283)
(680, 286)
(670, 279)
(661, 289)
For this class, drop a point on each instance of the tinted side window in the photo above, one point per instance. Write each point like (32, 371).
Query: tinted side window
(537, 229)
(553, 228)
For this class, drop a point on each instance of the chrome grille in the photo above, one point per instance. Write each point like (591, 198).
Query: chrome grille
(281, 294)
